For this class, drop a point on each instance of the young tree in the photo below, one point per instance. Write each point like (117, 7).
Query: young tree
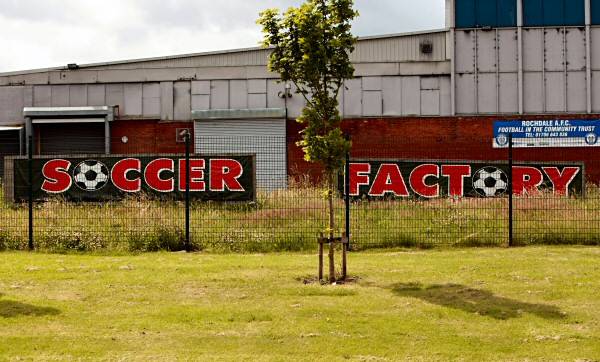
(311, 48)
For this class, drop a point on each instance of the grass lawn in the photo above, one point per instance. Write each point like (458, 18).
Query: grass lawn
(537, 303)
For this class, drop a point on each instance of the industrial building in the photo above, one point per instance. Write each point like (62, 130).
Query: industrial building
(440, 89)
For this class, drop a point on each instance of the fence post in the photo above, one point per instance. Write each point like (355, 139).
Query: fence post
(30, 189)
(510, 190)
(187, 192)
(347, 197)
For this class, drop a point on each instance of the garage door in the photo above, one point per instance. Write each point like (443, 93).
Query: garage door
(77, 138)
(264, 137)
(9, 146)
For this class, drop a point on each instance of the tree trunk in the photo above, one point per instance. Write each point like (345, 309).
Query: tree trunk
(331, 227)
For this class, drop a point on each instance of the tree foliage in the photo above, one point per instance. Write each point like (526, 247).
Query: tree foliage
(311, 47)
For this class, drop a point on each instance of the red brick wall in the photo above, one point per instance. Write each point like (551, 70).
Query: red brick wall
(147, 136)
(458, 138)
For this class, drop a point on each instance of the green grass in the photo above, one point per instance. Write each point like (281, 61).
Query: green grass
(290, 220)
(534, 304)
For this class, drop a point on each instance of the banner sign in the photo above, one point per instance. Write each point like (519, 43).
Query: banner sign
(431, 179)
(547, 133)
(103, 178)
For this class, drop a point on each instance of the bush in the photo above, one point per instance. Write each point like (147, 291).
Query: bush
(160, 239)
(59, 240)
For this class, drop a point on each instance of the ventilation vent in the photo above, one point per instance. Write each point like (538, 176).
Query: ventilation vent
(426, 47)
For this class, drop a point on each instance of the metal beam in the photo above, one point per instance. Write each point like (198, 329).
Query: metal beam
(520, 55)
(588, 55)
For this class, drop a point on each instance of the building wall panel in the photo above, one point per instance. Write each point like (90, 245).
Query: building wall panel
(465, 51)
(182, 108)
(430, 102)
(96, 95)
(352, 97)
(595, 47)
(372, 103)
(273, 98)
(257, 86)
(575, 51)
(166, 101)
(11, 105)
(296, 103)
(115, 97)
(596, 91)
(445, 96)
(576, 92)
(42, 96)
(486, 51)
(151, 100)
(533, 49)
(60, 95)
(533, 101)
(487, 93)
(371, 83)
(555, 92)
(133, 99)
(508, 100)
(411, 95)
(200, 102)
(257, 100)
(78, 96)
(554, 49)
(392, 95)
(465, 100)
(238, 90)
(201, 87)
(219, 94)
(508, 49)
(430, 83)
(28, 96)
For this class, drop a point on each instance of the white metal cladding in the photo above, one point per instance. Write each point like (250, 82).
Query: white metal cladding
(392, 48)
(372, 96)
(486, 71)
(264, 137)
(554, 70)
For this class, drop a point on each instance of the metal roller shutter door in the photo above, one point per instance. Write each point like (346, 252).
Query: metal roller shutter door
(78, 138)
(264, 137)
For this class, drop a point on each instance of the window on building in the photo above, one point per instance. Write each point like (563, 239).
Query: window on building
(553, 12)
(486, 13)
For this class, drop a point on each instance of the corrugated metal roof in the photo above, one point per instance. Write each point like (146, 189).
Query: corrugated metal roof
(403, 47)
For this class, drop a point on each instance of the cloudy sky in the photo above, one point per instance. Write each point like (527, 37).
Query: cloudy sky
(44, 33)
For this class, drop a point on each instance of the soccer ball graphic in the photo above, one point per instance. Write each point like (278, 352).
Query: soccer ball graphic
(90, 175)
(490, 181)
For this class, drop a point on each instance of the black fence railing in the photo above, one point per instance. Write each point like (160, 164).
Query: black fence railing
(402, 193)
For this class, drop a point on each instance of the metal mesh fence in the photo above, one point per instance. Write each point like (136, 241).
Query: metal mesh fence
(290, 208)
(552, 216)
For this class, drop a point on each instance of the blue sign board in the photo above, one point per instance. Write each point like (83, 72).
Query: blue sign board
(548, 133)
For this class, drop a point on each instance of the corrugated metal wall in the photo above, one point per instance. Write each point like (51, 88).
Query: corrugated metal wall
(371, 50)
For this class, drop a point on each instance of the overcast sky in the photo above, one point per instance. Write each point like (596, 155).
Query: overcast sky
(45, 33)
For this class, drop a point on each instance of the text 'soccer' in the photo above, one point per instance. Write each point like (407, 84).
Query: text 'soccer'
(218, 178)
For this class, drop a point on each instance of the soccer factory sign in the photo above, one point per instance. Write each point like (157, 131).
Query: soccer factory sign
(227, 178)
(431, 179)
